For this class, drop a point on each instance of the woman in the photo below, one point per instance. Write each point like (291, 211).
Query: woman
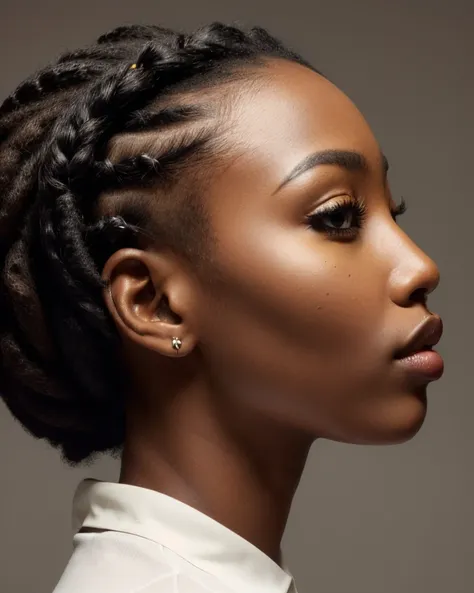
(202, 271)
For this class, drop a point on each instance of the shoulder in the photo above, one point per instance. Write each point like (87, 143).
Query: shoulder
(122, 563)
(183, 583)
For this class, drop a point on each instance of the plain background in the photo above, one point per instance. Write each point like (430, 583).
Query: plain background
(365, 520)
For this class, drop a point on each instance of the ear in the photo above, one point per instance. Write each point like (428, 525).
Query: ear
(150, 298)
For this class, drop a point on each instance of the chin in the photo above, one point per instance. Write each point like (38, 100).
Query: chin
(404, 418)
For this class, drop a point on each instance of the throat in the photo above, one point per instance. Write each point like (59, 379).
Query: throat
(243, 474)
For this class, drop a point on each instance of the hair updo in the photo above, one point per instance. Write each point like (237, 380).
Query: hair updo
(60, 369)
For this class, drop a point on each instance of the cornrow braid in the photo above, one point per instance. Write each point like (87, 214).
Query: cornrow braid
(60, 371)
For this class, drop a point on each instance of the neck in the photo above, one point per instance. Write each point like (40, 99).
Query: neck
(231, 464)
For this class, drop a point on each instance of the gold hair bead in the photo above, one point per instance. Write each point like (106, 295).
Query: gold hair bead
(133, 67)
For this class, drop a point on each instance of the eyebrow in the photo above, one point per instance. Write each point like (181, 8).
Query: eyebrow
(346, 159)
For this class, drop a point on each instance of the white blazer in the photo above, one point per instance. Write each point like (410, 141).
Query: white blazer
(135, 540)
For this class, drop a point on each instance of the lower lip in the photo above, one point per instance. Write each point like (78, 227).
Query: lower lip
(427, 365)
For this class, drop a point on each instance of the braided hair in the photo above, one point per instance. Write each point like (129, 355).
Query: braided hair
(60, 371)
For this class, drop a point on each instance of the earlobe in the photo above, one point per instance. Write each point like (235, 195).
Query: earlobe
(147, 296)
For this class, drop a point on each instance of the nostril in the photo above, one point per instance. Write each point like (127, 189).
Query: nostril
(419, 296)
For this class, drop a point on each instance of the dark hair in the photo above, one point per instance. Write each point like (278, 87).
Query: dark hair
(60, 371)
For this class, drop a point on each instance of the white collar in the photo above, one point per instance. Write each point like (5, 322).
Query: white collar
(189, 533)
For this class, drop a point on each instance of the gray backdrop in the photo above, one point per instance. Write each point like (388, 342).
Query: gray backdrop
(365, 520)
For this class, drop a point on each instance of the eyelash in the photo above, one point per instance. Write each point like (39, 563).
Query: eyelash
(356, 208)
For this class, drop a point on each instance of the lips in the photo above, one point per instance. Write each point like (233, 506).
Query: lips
(423, 338)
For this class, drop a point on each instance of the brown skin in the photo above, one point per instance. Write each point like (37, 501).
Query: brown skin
(290, 333)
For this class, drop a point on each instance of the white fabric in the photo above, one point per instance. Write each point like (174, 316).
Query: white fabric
(136, 540)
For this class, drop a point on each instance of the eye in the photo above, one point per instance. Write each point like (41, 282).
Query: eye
(342, 219)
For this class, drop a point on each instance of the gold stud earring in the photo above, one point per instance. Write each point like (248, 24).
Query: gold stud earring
(176, 344)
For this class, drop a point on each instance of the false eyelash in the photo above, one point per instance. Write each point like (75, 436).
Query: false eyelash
(399, 209)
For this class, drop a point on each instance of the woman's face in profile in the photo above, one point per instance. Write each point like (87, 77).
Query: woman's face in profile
(314, 290)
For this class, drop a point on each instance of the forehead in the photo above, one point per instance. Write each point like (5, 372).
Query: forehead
(292, 113)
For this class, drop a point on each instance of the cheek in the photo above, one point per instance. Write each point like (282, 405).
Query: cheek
(290, 298)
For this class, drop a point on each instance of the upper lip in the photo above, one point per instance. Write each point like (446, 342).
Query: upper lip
(426, 335)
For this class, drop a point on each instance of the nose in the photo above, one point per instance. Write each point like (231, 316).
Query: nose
(414, 276)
